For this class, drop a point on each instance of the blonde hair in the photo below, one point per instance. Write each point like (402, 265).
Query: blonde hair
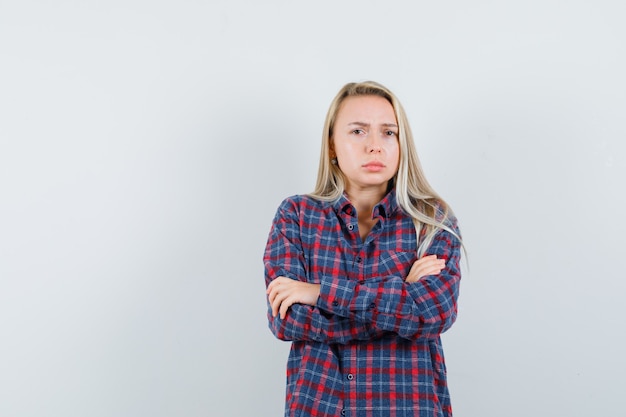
(413, 192)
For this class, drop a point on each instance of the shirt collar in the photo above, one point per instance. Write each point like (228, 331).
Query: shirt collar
(387, 206)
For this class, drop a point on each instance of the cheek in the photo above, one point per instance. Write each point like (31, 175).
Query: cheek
(346, 150)
(395, 157)
(393, 150)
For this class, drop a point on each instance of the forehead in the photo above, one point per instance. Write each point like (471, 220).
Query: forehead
(366, 109)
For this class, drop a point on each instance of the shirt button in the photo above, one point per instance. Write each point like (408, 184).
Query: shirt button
(335, 303)
(343, 412)
(372, 305)
(362, 282)
(359, 259)
(350, 377)
(350, 226)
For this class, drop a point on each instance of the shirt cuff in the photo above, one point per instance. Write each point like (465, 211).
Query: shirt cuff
(336, 296)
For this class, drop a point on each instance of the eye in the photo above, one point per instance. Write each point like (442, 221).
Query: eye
(390, 133)
(358, 131)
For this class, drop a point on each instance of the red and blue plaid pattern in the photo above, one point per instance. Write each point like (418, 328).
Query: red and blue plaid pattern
(371, 345)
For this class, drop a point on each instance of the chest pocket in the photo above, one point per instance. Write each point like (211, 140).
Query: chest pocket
(396, 263)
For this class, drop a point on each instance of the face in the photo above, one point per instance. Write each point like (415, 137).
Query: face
(365, 142)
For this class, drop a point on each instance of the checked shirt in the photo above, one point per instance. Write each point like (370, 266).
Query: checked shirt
(371, 346)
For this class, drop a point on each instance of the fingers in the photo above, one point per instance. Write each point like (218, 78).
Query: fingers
(430, 270)
(428, 265)
(280, 306)
(276, 298)
(272, 288)
(280, 294)
(284, 306)
(283, 292)
(272, 292)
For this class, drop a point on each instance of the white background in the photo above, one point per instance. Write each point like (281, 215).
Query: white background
(145, 146)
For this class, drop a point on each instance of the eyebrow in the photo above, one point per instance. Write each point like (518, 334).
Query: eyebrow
(367, 124)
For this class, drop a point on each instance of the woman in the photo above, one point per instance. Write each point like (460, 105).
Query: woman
(363, 274)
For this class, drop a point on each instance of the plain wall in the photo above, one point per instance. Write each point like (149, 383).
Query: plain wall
(145, 146)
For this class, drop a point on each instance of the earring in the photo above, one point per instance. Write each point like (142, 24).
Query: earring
(333, 161)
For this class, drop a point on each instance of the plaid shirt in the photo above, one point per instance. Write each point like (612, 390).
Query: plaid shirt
(371, 346)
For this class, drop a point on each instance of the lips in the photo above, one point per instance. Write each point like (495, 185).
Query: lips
(374, 164)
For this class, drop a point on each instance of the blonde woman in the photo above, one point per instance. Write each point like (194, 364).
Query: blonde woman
(363, 274)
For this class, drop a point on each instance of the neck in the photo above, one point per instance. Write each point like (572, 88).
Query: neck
(364, 200)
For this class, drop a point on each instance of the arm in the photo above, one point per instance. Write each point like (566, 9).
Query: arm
(424, 308)
(284, 257)
(306, 323)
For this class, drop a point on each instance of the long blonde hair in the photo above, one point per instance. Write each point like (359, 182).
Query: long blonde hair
(413, 192)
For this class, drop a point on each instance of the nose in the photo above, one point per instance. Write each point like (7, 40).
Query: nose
(374, 146)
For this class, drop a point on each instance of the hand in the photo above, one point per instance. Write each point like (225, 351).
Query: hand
(428, 265)
(283, 292)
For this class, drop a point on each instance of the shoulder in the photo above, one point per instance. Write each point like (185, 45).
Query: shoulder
(443, 214)
(299, 204)
(446, 225)
(299, 200)
(300, 212)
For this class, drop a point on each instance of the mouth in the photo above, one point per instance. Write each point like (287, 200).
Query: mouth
(374, 166)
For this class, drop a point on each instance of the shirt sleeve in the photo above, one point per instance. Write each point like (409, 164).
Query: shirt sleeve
(419, 310)
(284, 256)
